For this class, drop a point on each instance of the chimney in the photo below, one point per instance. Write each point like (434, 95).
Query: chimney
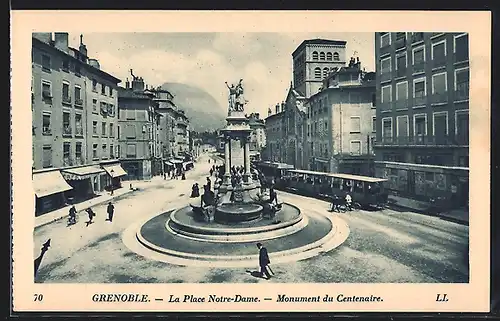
(94, 63)
(61, 41)
(43, 36)
(277, 108)
(83, 48)
(127, 84)
(269, 112)
(257, 115)
(282, 106)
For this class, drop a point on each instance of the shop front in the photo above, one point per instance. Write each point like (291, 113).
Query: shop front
(50, 188)
(84, 180)
(115, 173)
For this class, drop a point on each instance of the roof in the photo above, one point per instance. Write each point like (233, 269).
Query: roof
(129, 93)
(368, 179)
(91, 68)
(270, 117)
(319, 42)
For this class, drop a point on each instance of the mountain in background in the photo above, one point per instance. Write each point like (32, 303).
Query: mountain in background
(203, 111)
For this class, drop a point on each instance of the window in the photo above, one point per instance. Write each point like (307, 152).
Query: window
(47, 156)
(77, 70)
(462, 126)
(78, 153)
(385, 65)
(118, 132)
(78, 125)
(402, 90)
(336, 56)
(402, 126)
(440, 125)
(355, 124)
(111, 151)
(461, 47)
(111, 130)
(130, 114)
(130, 131)
(374, 100)
(78, 96)
(439, 53)
(400, 36)
(103, 129)
(94, 128)
(439, 85)
(355, 147)
(419, 91)
(103, 89)
(46, 128)
(66, 123)
(419, 125)
(94, 105)
(462, 84)
(66, 154)
(385, 40)
(386, 94)
(317, 73)
(118, 151)
(46, 63)
(65, 92)
(110, 92)
(387, 127)
(104, 107)
(104, 151)
(329, 56)
(374, 124)
(315, 55)
(401, 65)
(65, 65)
(94, 85)
(418, 55)
(46, 89)
(94, 151)
(131, 150)
(321, 56)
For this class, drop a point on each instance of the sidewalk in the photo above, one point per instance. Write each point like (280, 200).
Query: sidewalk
(61, 213)
(457, 215)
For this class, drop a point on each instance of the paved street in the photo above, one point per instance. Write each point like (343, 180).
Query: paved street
(385, 246)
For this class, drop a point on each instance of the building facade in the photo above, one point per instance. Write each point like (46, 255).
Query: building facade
(257, 136)
(423, 112)
(167, 109)
(340, 122)
(140, 151)
(313, 60)
(294, 120)
(74, 121)
(274, 150)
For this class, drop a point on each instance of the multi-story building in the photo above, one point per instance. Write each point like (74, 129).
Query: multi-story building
(257, 136)
(74, 121)
(313, 60)
(139, 121)
(181, 148)
(423, 113)
(294, 118)
(340, 122)
(167, 109)
(274, 150)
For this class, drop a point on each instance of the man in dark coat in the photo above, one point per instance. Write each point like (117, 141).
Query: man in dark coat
(111, 212)
(263, 261)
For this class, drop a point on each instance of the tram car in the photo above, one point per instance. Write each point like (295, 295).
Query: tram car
(364, 190)
(273, 172)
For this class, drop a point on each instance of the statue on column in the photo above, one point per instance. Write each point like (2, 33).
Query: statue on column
(236, 99)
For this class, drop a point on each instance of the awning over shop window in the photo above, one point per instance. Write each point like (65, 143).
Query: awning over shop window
(114, 170)
(80, 173)
(169, 163)
(49, 183)
(175, 161)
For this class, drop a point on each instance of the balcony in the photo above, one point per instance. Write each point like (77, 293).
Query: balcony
(386, 107)
(401, 104)
(419, 67)
(66, 130)
(66, 100)
(425, 140)
(385, 76)
(419, 101)
(439, 62)
(401, 72)
(462, 92)
(79, 102)
(439, 98)
(417, 37)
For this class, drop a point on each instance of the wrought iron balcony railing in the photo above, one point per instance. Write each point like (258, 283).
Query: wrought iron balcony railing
(425, 140)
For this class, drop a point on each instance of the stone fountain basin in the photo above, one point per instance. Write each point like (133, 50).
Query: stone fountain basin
(238, 212)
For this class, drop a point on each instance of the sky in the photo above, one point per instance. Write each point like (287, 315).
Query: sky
(207, 60)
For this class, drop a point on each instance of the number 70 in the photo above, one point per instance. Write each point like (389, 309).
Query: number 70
(38, 297)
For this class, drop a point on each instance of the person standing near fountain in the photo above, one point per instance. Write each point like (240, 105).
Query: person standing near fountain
(209, 183)
(263, 261)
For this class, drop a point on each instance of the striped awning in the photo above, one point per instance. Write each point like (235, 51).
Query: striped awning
(49, 183)
(80, 173)
(114, 170)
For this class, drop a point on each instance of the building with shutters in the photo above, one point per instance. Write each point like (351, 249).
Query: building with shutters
(74, 123)
(422, 116)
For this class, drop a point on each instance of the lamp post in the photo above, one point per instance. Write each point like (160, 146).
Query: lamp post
(111, 172)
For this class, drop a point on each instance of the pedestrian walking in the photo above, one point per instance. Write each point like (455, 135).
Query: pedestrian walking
(263, 261)
(209, 183)
(72, 215)
(211, 172)
(91, 215)
(111, 212)
(111, 190)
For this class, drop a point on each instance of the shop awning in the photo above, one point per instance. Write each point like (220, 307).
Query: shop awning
(49, 183)
(80, 173)
(175, 161)
(169, 163)
(114, 170)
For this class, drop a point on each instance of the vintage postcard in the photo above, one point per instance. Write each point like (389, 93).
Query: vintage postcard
(251, 161)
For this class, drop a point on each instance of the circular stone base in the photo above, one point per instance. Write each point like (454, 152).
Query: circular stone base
(235, 213)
